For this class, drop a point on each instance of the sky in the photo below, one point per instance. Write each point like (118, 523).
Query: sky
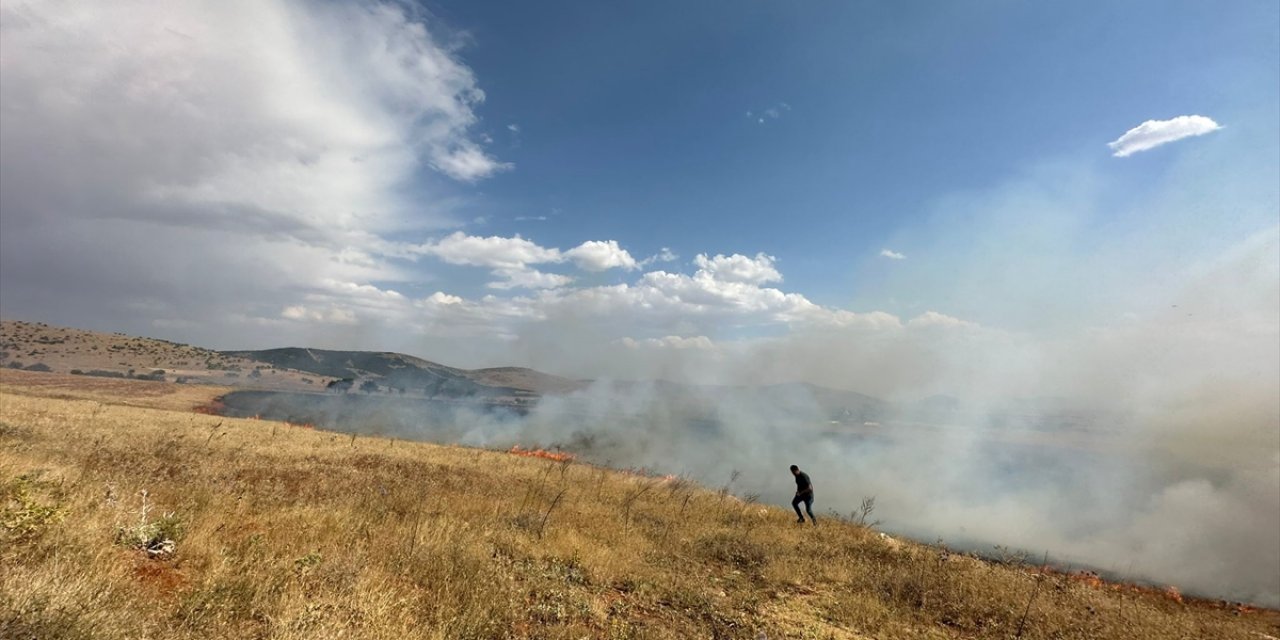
(585, 188)
(1069, 202)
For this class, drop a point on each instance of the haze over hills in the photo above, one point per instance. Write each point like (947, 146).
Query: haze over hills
(978, 475)
(64, 350)
(400, 371)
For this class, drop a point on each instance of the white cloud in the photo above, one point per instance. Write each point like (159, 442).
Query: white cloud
(467, 162)
(514, 253)
(528, 279)
(892, 255)
(511, 258)
(663, 255)
(327, 315)
(669, 342)
(769, 113)
(267, 140)
(596, 255)
(1154, 133)
(935, 319)
(492, 251)
(739, 268)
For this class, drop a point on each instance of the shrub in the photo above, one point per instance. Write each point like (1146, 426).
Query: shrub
(158, 538)
(23, 516)
(39, 366)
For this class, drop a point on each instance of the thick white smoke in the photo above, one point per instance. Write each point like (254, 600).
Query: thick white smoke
(1149, 448)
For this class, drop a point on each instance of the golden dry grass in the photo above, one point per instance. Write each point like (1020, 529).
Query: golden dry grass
(285, 532)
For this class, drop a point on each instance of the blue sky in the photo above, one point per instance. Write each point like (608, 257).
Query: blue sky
(539, 184)
(633, 122)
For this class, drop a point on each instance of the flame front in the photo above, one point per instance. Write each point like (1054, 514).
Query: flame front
(558, 456)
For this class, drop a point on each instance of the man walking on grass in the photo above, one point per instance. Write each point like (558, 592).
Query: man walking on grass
(804, 493)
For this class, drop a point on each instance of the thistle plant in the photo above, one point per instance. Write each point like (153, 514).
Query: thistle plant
(158, 538)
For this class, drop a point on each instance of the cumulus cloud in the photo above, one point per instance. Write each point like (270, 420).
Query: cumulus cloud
(892, 255)
(268, 141)
(467, 162)
(739, 268)
(595, 255)
(492, 251)
(330, 315)
(511, 259)
(708, 302)
(1153, 133)
(527, 278)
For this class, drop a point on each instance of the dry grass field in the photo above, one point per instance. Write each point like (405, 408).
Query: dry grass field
(123, 514)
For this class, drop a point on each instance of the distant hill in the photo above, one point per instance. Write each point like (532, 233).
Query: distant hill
(37, 346)
(66, 350)
(400, 371)
(395, 371)
(529, 379)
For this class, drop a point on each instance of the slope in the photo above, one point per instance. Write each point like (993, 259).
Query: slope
(286, 532)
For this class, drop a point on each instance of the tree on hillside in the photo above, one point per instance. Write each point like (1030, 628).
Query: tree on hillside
(368, 386)
(341, 386)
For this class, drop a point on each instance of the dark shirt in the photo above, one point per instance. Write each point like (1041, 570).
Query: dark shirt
(803, 485)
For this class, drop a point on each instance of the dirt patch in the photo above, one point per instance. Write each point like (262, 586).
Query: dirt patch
(161, 577)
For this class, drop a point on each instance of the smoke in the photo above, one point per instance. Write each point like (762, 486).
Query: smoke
(1091, 369)
(1147, 447)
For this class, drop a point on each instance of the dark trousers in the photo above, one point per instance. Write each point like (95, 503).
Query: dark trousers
(808, 506)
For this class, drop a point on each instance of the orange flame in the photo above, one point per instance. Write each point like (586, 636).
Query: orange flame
(558, 456)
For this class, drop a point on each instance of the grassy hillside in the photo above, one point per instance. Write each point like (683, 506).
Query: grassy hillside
(40, 346)
(43, 346)
(285, 532)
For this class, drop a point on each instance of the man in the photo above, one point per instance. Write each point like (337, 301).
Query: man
(804, 493)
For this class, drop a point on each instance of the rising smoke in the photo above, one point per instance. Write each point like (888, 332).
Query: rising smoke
(1149, 448)
(1146, 442)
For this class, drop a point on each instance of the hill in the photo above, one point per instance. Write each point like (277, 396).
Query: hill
(398, 370)
(62, 350)
(38, 346)
(395, 371)
(125, 515)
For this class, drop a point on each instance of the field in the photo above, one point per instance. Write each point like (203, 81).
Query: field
(125, 514)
